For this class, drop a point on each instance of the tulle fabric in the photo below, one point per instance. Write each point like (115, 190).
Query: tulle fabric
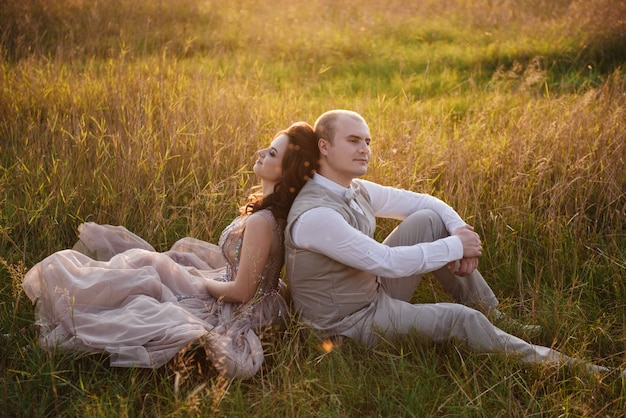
(114, 293)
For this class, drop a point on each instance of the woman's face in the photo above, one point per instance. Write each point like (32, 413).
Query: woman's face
(269, 164)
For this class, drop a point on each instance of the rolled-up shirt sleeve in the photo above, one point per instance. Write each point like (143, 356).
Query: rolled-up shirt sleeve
(325, 231)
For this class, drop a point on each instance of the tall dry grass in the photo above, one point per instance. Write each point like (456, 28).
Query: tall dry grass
(147, 114)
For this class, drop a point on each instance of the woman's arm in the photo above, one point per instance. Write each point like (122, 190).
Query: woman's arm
(254, 253)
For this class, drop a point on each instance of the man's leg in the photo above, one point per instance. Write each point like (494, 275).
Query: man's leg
(427, 226)
(450, 322)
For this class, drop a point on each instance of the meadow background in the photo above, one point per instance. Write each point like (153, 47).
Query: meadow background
(147, 114)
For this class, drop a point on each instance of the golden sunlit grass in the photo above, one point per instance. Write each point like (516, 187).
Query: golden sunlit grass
(147, 114)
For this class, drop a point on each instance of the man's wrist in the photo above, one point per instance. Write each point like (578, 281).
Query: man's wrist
(455, 247)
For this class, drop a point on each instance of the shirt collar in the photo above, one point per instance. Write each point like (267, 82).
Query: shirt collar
(331, 185)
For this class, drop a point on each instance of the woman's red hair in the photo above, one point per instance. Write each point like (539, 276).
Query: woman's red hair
(300, 162)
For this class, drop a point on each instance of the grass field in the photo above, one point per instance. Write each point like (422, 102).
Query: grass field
(147, 114)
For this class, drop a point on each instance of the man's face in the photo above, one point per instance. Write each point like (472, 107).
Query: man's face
(349, 154)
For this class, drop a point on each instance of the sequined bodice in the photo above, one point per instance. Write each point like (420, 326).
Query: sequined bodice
(230, 243)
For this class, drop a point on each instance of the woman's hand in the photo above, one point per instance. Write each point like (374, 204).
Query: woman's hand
(254, 253)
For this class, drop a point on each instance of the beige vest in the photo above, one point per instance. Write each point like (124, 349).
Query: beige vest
(324, 291)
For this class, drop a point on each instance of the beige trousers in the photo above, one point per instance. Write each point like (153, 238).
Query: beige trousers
(392, 314)
(427, 226)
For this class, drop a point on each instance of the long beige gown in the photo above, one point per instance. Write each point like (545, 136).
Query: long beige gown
(114, 293)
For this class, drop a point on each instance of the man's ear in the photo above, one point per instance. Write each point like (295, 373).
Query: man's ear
(323, 145)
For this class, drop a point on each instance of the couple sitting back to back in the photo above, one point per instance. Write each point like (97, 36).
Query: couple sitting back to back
(114, 293)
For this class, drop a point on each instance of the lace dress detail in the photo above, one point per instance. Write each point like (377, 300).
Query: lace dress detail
(114, 293)
(231, 240)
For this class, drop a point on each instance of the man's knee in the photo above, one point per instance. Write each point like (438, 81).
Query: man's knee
(426, 216)
(421, 226)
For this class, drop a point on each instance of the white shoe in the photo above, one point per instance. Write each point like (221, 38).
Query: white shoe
(499, 316)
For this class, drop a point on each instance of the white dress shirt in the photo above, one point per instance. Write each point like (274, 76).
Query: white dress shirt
(325, 231)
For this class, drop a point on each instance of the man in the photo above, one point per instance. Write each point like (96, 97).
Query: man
(344, 283)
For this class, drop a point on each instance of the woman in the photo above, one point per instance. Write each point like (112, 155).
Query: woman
(142, 307)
